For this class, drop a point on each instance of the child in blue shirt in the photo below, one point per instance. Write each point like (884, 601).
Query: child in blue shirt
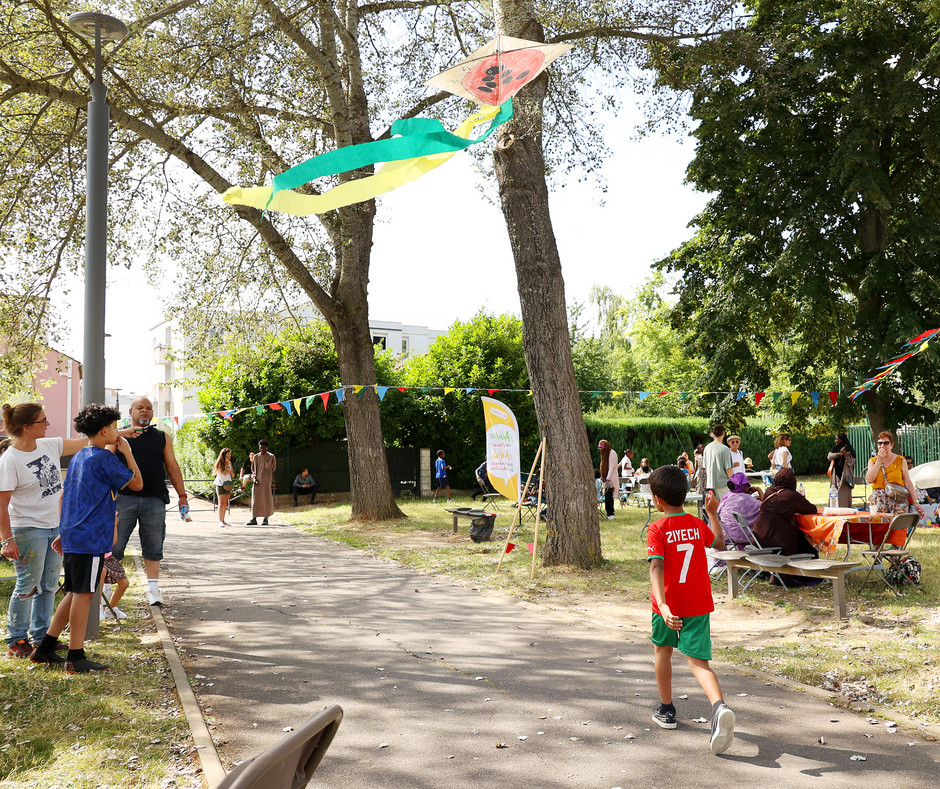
(87, 529)
(440, 474)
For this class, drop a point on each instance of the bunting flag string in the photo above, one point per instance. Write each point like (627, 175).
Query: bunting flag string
(295, 406)
(922, 340)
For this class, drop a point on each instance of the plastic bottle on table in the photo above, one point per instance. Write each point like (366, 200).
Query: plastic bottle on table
(833, 497)
(802, 490)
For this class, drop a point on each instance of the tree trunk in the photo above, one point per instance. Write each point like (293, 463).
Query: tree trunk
(573, 534)
(370, 488)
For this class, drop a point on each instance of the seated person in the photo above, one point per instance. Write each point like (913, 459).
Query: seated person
(304, 483)
(775, 526)
(923, 497)
(483, 481)
(598, 485)
(748, 464)
(740, 499)
(644, 469)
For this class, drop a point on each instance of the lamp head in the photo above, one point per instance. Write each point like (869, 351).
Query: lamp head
(111, 28)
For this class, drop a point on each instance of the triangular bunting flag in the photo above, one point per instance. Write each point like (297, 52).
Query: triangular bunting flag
(259, 409)
(815, 396)
(176, 419)
(275, 406)
(340, 394)
(325, 397)
(663, 393)
(492, 391)
(309, 401)
(285, 404)
(510, 546)
(794, 396)
(381, 391)
(531, 547)
(833, 396)
(448, 390)
(776, 396)
(402, 388)
(641, 396)
(741, 395)
(758, 396)
(297, 401)
(357, 389)
(683, 395)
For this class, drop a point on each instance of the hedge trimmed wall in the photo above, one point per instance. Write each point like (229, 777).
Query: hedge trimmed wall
(662, 440)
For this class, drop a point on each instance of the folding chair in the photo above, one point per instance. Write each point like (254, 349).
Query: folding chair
(753, 547)
(892, 556)
(860, 497)
(291, 763)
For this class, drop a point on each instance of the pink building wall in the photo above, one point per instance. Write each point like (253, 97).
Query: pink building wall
(58, 384)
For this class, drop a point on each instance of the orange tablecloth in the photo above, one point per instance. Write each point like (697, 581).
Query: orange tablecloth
(826, 532)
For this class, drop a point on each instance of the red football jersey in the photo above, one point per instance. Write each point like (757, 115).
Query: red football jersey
(680, 541)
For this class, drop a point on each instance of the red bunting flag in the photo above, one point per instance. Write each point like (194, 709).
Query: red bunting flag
(664, 392)
(325, 397)
(275, 406)
(833, 396)
(531, 547)
(402, 388)
(510, 546)
(758, 397)
(492, 391)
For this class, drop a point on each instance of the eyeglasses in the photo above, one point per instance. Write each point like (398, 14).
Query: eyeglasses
(883, 443)
(41, 422)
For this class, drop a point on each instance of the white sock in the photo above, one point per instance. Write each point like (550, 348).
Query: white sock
(106, 591)
(154, 583)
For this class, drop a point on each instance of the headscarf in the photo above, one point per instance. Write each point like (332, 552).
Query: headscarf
(839, 462)
(738, 483)
(604, 447)
(785, 479)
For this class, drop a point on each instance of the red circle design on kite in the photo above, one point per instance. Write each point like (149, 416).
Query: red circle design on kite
(499, 76)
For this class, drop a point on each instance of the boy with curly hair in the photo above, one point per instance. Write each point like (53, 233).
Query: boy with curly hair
(87, 532)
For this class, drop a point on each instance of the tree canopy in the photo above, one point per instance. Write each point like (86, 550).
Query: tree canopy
(818, 131)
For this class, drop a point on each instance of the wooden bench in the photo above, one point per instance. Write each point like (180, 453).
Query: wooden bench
(466, 512)
(738, 561)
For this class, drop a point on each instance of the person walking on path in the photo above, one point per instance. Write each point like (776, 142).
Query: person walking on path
(88, 529)
(224, 481)
(610, 481)
(30, 492)
(440, 474)
(682, 599)
(718, 463)
(842, 458)
(153, 451)
(262, 492)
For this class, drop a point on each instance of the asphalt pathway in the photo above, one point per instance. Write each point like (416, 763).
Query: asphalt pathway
(443, 685)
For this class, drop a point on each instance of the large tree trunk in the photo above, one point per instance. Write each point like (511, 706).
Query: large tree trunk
(573, 534)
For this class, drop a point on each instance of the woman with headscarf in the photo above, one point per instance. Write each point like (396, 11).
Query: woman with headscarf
(842, 457)
(610, 481)
(740, 499)
(775, 526)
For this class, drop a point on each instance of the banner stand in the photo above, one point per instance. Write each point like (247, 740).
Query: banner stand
(538, 507)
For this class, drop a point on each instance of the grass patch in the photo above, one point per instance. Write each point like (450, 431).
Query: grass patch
(889, 653)
(120, 728)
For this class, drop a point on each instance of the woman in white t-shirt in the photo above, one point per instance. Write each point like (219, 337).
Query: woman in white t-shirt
(30, 492)
(781, 457)
(224, 481)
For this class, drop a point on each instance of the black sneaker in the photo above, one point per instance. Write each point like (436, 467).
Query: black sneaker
(665, 720)
(83, 666)
(252, 522)
(50, 658)
(21, 649)
(722, 729)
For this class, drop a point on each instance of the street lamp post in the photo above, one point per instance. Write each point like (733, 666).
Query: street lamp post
(100, 27)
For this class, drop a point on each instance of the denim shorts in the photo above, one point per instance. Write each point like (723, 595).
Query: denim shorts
(150, 513)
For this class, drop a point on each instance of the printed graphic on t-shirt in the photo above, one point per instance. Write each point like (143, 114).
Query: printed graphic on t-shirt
(50, 481)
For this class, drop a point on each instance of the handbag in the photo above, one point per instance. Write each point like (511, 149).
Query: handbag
(894, 492)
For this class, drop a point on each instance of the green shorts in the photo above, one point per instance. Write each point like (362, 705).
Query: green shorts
(694, 640)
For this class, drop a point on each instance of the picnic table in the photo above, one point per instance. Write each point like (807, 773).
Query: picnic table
(834, 571)
(827, 532)
(467, 512)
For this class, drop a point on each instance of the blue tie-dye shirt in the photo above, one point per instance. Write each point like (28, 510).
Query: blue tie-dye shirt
(92, 481)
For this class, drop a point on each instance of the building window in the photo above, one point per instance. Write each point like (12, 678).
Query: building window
(380, 339)
(404, 346)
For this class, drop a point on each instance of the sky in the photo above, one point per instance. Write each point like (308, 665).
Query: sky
(441, 251)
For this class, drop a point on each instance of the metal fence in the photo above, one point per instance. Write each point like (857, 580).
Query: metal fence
(921, 443)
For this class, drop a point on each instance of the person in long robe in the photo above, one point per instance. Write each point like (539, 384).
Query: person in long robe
(262, 493)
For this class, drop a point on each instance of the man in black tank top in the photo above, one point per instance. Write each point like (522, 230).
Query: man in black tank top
(153, 451)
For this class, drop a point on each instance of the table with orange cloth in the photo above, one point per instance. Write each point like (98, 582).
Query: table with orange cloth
(826, 532)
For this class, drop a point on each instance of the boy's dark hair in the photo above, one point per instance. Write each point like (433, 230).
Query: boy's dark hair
(93, 417)
(263, 442)
(670, 484)
(718, 430)
(440, 453)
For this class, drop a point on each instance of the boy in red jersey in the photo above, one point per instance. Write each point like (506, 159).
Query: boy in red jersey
(682, 598)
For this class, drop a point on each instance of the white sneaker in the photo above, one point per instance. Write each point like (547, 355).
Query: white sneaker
(103, 613)
(154, 596)
(118, 613)
(610, 517)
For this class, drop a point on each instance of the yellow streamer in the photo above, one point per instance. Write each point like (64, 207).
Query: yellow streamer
(390, 176)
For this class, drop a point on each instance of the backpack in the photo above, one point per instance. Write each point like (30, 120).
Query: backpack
(906, 571)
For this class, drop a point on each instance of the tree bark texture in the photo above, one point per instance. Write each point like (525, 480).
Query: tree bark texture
(573, 533)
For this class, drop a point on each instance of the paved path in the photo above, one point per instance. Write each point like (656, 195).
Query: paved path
(276, 625)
